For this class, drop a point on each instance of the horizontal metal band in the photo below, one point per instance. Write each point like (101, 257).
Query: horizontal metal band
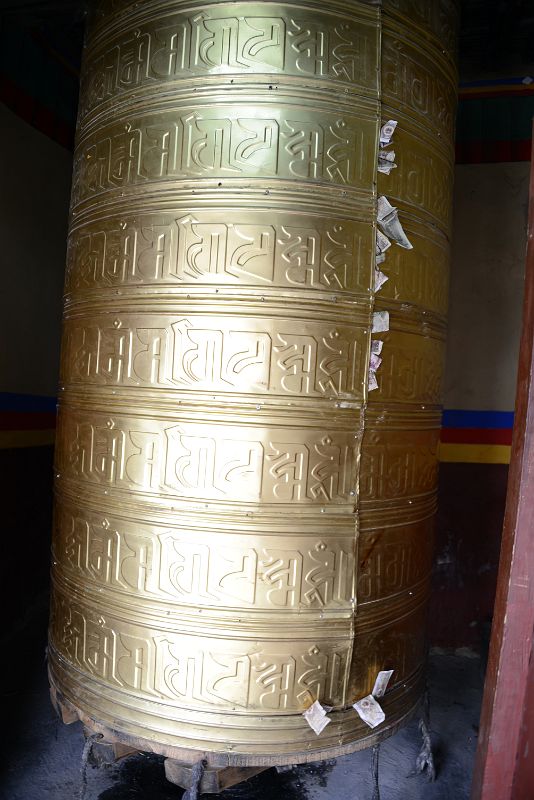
(262, 193)
(435, 23)
(208, 670)
(213, 90)
(127, 312)
(222, 519)
(411, 369)
(240, 141)
(404, 417)
(228, 460)
(418, 83)
(108, 406)
(257, 566)
(232, 624)
(138, 17)
(390, 416)
(169, 246)
(261, 307)
(398, 513)
(422, 183)
(276, 740)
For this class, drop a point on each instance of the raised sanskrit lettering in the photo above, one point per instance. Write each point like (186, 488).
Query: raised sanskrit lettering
(188, 250)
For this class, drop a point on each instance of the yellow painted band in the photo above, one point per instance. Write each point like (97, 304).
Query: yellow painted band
(475, 453)
(448, 453)
(29, 438)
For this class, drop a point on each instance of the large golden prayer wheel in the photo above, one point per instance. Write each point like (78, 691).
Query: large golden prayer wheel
(243, 525)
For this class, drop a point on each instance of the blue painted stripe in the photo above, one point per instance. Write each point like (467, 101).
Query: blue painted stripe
(10, 401)
(453, 418)
(495, 82)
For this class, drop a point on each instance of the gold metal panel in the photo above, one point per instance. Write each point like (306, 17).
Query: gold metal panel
(241, 526)
(256, 140)
(132, 720)
(279, 357)
(201, 672)
(230, 248)
(397, 463)
(412, 369)
(180, 457)
(189, 567)
(422, 184)
(399, 645)
(393, 560)
(419, 277)
(215, 41)
(414, 85)
(438, 18)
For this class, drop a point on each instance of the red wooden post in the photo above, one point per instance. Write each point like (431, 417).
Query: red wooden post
(503, 768)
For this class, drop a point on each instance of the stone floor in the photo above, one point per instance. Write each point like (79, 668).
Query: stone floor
(42, 757)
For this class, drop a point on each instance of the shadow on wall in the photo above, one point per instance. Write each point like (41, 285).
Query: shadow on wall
(469, 523)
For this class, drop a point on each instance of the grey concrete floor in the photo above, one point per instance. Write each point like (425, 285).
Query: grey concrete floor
(42, 757)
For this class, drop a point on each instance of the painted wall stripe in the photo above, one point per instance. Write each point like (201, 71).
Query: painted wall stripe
(497, 91)
(517, 80)
(452, 417)
(10, 439)
(492, 152)
(467, 436)
(462, 418)
(24, 421)
(448, 453)
(474, 453)
(12, 401)
(476, 435)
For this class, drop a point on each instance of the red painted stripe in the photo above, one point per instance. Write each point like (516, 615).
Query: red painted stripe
(35, 113)
(27, 421)
(481, 151)
(477, 94)
(476, 435)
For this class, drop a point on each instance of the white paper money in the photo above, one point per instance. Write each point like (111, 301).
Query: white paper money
(382, 243)
(380, 280)
(387, 155)
(372, 383)
(385, 166)
(383, 208)
(388, 219)
(386, 161)
(387, 130)
(381, 683)
(316, 717)
(370, 711)
(374, 363)
(376, 346)
(380, 321)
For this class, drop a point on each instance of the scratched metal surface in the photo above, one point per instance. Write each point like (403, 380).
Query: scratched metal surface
(241, 526)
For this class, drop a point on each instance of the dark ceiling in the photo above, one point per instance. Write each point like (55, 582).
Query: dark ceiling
(496, 41)
(496, 35)
(496, 38)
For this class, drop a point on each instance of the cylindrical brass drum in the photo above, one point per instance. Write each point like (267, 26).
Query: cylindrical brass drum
(249, 415)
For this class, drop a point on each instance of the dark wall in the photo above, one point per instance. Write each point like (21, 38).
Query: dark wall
(469, 524)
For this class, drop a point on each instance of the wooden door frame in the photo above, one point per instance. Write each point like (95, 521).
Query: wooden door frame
(503, 770)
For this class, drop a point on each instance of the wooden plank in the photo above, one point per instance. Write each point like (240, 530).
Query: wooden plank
(503, 725)
(524, 772)
(214, 779)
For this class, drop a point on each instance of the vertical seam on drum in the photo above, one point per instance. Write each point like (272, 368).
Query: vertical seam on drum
(365, 389)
